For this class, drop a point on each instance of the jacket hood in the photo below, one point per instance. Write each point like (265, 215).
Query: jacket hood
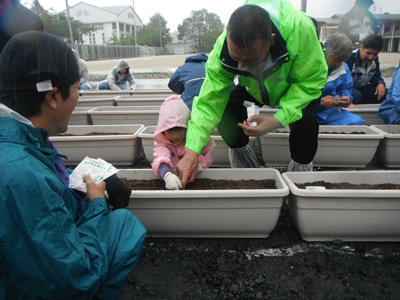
(197, 58)
(123, 64)
(173, 113)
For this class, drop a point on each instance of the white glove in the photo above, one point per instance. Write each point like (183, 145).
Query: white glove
(133, 87)
(199, 168)
(172, 182)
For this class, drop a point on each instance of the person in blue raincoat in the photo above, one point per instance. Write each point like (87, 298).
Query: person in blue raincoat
(337, 93)
(53, 244)
(188, 78)
(389, 110)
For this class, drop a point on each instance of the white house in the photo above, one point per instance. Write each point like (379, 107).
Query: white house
(109, 21)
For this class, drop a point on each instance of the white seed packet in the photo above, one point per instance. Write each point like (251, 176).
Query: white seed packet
(252, 110)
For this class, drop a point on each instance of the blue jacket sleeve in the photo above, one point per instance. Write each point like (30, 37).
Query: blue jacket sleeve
(175, 83)
(345, 88)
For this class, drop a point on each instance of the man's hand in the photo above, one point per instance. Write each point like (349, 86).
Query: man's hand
(380, 90)
(172, 181)
(344, 101)
(93, 190)
(328, 102)
(187, 167)
(265, 124)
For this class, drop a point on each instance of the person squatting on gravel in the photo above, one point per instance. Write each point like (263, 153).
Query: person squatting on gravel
(275, 50)
(53, 243)
(119, 78)
(170, 140)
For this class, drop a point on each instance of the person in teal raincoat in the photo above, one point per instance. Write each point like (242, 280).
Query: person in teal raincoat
(53, 244)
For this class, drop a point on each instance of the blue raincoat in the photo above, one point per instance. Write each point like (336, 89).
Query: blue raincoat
(389, 110)
(44, 252)
(339, 83)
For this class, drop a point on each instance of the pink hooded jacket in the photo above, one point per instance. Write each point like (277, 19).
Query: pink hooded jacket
(174, 112)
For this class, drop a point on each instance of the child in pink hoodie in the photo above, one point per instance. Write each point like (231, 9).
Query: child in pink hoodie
(170, 140)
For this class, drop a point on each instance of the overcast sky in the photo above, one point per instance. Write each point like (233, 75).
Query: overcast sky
(174, 11)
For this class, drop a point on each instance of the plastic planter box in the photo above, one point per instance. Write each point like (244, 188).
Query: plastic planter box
(388, 152)
(220, 153)
(338, 146)
(96, 101)
(135, 100)
(209, 213)
(115, 149)
(112, 115)
(80, 116)
(348, 215)
(369, 112)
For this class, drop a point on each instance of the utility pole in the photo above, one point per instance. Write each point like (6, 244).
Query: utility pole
(71, 36)
(134, 20)
(159, 25)
(304, 5)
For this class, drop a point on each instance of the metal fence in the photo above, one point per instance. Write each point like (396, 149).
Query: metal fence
(98, 52)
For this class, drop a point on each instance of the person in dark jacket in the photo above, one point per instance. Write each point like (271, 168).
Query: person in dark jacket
(188, 78)
(53, 244)
(359, 22)
(368, 84)
(15, 18)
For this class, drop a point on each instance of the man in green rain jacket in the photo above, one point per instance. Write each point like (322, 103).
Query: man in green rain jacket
(53, 244)
(274, 50)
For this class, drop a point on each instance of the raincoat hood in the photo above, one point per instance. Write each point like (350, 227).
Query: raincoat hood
(201, 57)
(123, 64)
(173, 113)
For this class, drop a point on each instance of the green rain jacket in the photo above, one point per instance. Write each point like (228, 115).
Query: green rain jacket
(295, 79)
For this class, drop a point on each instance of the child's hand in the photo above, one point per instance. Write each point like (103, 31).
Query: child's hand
(172, 182)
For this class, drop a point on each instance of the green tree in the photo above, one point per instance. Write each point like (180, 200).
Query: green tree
(151, 32)
(57, 24)
(128, 40)
(201, 30)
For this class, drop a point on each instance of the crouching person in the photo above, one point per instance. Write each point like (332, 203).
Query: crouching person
(170, 141)
(53, 243)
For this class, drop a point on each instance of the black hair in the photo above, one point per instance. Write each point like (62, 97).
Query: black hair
(373, 41)
(29, 105)
(249, 23)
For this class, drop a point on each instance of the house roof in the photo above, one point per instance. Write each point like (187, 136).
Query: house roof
(115, 9)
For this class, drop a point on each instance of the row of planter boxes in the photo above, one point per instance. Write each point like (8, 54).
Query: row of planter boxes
(319, 215)
(338, 146)
(102, 111)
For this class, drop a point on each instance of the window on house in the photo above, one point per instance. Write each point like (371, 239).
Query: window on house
(94, 39)
(85, 13)
(114, 25)
(121, 27)
(104, 38)
(130, 15)
(98, 26)
(79, 13)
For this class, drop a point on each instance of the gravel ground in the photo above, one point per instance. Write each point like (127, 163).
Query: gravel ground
(282, 266)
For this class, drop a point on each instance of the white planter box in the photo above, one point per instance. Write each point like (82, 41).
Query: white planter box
(80, 116)
(115, 149)
(349, 215)
(220, 153)
(341, 149)
(96, 101)
(136, 100)
(113, 115)
(209, 213)
(388, 152)
(369, 112)
(106, 93)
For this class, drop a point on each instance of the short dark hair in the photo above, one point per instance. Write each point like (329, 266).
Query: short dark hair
(249, 23)
(373, 41)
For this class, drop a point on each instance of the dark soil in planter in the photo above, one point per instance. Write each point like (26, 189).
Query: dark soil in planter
(354, 132)
(203, 184)
(280, 267)
(92, 133)
(349, 186)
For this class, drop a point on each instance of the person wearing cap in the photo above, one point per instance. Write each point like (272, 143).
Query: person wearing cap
(358, 22)
(83, 72)
(53, 244)
(119, 78)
